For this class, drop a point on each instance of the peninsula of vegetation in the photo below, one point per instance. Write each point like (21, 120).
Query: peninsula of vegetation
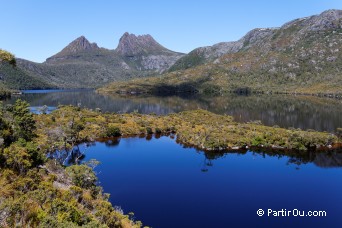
(39, 192)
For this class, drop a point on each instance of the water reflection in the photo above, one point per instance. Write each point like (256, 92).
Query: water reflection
(326, 159)
(322, 114)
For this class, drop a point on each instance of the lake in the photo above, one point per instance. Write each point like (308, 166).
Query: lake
(322, 114)
(166, 185)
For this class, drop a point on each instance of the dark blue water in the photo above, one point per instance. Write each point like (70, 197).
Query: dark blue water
(166, 185)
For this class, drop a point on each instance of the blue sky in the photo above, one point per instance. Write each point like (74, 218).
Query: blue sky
(37, 29)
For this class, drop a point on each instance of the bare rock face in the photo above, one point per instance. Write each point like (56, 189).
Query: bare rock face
(132, 45)
(159, 63)
(330, 19)
(79, 45)
(256, 36)
(217, 50)
(146, 52)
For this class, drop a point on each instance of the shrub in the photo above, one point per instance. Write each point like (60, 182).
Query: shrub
(158, 131)
(113, 131)
(82, 176)
(149, 130)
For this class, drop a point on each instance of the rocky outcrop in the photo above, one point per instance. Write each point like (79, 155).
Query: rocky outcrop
(330, 19)
(132, 45)
(147, 52)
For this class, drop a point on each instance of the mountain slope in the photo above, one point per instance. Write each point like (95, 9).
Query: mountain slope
(82, 64)
(207, 54)
(12, 77)
(303, 55)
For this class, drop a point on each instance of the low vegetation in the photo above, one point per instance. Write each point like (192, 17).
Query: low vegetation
(199, 128)
(39, 192)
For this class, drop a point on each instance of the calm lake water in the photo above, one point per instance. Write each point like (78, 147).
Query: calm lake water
(321, 114)
(166, 185)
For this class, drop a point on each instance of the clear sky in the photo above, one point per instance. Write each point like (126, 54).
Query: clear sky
(37, 29)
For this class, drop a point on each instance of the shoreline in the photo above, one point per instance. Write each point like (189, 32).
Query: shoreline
(252, 92)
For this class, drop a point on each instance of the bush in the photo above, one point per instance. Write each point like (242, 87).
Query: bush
(158, 131)
(339, 132)
(149, 130)
(113, 131)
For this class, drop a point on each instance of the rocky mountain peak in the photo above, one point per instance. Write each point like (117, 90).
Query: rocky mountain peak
(80, 44)
(132, 45)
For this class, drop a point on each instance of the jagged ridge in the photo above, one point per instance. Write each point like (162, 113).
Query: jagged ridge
(131, 45)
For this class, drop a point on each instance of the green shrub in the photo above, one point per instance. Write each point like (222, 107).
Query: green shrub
(158, 131)
(149, 130)
(113, 131)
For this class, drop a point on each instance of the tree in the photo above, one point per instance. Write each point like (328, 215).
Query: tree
(8, 57)
(5, 130)
(24, 124)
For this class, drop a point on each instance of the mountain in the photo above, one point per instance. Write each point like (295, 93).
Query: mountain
(81, 44)
(144, 53)
(303, 55)
(83, 64)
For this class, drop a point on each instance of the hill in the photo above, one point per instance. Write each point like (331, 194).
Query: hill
(13, 78)
(302, 56)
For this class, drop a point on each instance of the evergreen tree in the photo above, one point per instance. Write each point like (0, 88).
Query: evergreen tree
(24, 124)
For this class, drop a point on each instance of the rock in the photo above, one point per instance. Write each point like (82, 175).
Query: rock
(131, 45)
(147, 52)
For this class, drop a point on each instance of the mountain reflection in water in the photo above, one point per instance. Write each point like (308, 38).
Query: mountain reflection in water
(324, 159)
(321, 114)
